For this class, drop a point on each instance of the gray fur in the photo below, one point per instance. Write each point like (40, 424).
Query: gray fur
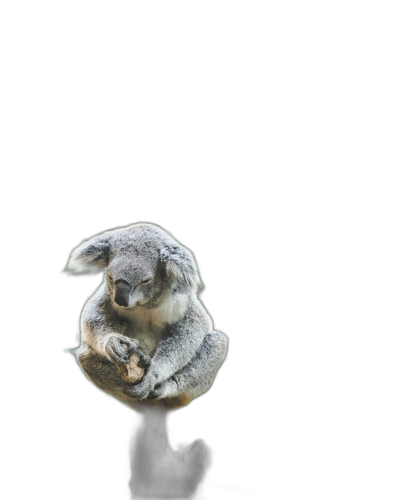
(164, 321)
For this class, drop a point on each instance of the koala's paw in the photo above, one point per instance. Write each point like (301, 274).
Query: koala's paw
(119, 349)
(157, 392)
(164, 390)
(140, 390)
(144, 361)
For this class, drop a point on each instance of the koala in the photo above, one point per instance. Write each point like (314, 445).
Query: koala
(146, 304)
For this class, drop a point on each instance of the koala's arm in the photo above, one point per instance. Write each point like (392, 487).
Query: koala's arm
(178, 348)
(103, 330)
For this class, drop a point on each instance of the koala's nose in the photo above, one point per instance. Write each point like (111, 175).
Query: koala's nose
(122, 291)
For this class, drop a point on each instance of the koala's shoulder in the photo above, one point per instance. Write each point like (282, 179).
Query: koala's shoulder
(196, 314)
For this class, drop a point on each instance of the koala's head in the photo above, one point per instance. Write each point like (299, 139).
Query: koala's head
(142, 263)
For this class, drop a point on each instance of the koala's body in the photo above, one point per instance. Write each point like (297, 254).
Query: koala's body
(147, 304)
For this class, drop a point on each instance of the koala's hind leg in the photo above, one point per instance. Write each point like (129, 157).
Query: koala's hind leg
(198, 375)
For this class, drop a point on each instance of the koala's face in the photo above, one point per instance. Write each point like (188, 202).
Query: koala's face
(136, 278)
(142, 262)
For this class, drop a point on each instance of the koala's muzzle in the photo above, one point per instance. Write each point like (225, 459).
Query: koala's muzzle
(122, 291)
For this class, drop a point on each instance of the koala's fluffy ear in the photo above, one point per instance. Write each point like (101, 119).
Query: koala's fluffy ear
(180, 264)
(91, 256)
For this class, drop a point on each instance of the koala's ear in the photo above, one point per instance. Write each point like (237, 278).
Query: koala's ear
(91, 256)
(180, 264)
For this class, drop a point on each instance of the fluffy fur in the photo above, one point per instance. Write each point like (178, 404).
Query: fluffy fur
(148, 304)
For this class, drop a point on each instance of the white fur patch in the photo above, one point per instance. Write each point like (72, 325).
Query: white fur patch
(147, 324)
(170, 310)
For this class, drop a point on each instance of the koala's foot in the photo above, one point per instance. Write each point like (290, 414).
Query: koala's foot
(119, 348)
(140, 390)
(156, 393)
(169, 388)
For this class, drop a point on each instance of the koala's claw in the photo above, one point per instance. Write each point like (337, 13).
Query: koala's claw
(130, 345)
(140, 393)
(156, 393)
(139, 390)
(145, 361)
(119, 350)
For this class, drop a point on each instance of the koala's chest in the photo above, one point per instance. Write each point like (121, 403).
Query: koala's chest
(146, 327)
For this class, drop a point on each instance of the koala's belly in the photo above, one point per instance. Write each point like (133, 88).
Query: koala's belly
(149, 339)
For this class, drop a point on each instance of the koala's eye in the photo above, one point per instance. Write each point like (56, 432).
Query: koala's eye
(110, 279)
(146, 281)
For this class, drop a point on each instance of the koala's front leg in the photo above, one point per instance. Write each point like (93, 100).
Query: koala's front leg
(172, 354)
(196, 377)
(102, 331)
